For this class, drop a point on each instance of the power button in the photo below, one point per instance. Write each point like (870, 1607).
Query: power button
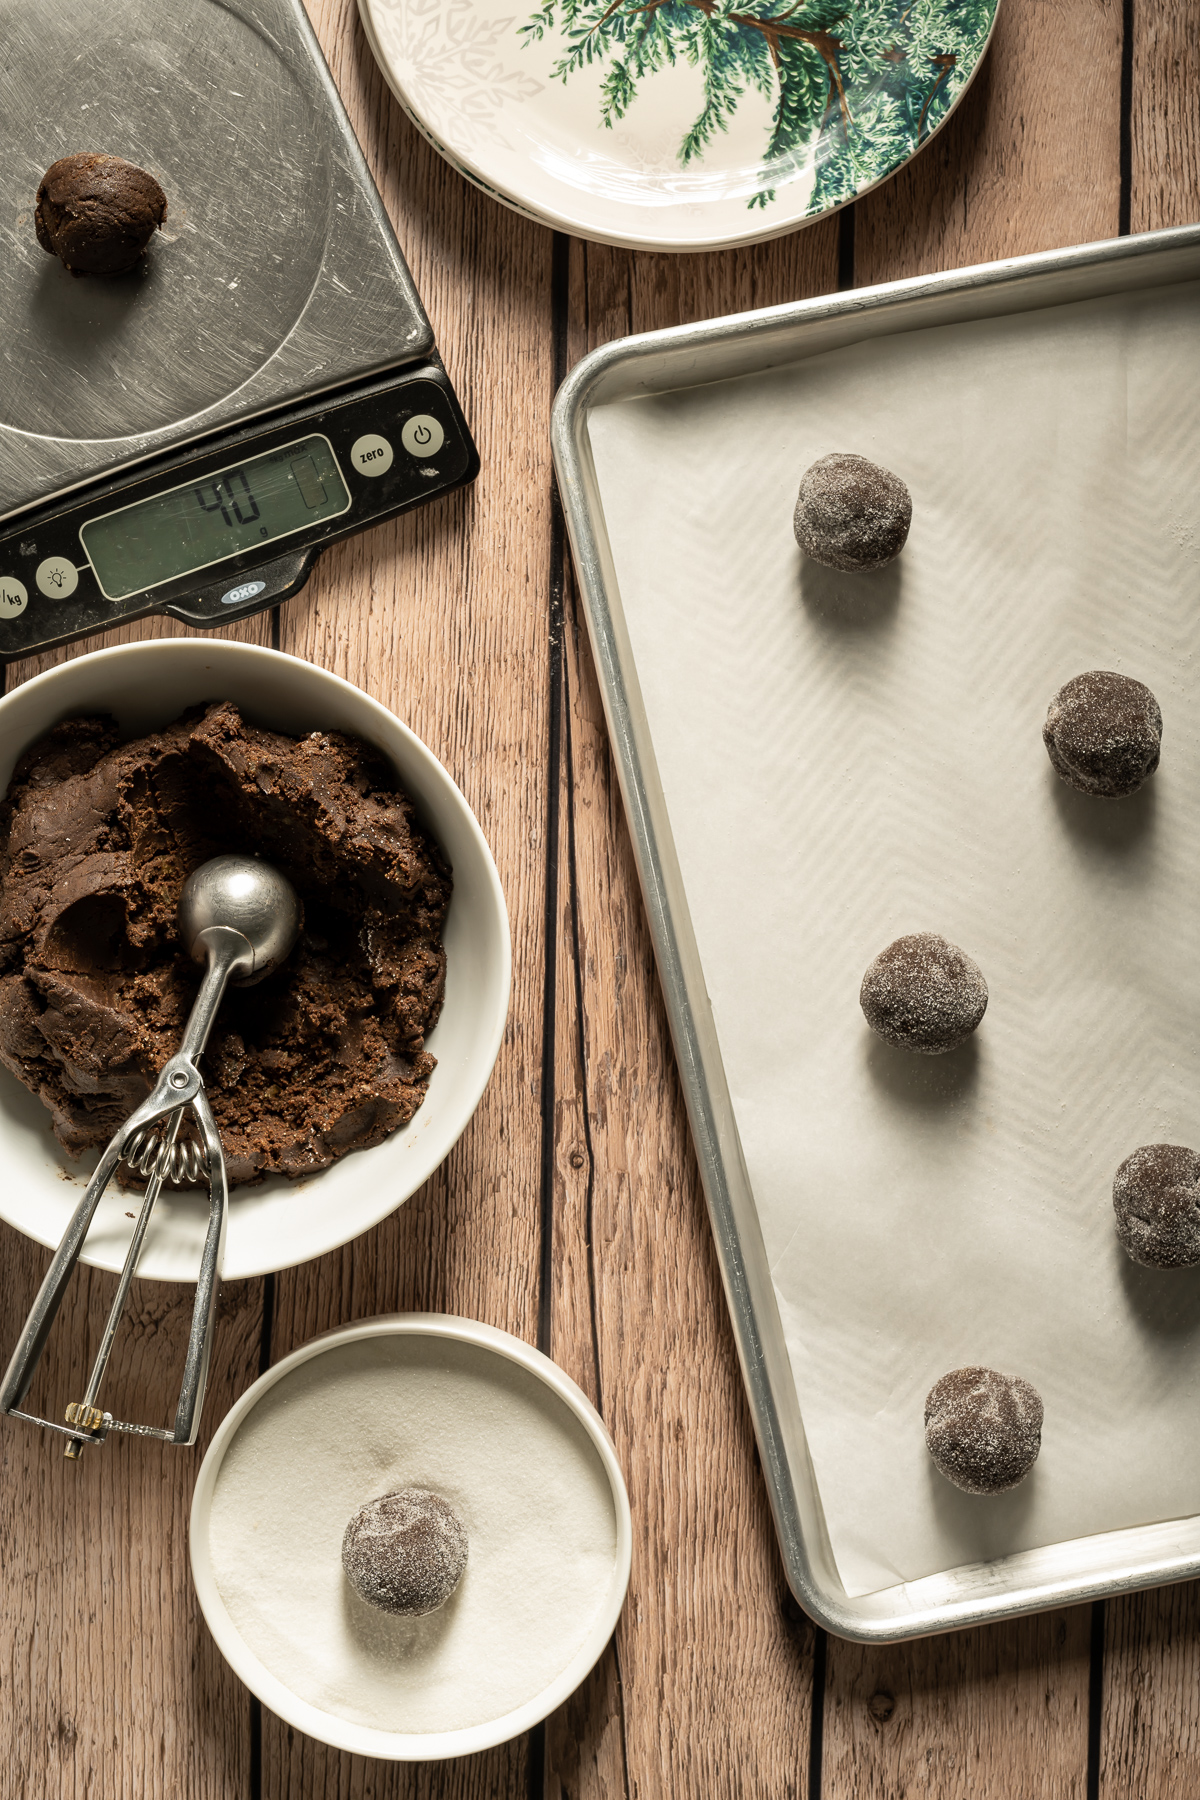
(422, 436)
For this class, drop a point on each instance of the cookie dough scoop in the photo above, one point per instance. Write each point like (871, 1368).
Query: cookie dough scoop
(240, 917)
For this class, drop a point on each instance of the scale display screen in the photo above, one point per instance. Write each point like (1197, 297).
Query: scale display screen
(188, 528)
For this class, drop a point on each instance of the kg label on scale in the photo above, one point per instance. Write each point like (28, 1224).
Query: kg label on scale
(14, 597)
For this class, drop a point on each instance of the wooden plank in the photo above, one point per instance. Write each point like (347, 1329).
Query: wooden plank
(112, 1684)
(707, 1687)
(998, 1714)
(1150, 1738)
(302, 1767)
(256, 630)
(614, 292)
(1029, 160)
(443, 616)
(585, 1752)
(1165, 115)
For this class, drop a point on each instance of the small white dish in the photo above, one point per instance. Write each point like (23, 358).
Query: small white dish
(277, 1487)
(687, 126)
(144, 686)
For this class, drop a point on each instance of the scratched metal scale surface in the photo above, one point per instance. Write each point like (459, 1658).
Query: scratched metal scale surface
(276, 277)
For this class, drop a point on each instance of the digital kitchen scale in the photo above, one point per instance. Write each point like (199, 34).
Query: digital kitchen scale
(189, 437)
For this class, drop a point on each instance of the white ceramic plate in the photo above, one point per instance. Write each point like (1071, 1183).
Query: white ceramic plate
(283, 1222)
(684, 124)
(330, 1728)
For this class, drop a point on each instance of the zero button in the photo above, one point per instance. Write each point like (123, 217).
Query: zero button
(371, 454)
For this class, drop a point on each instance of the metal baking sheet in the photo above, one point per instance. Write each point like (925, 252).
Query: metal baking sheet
(811, 765)
(277, 275)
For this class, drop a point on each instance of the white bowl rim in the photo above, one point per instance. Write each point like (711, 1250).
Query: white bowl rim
(211, 652)
(364, 1740)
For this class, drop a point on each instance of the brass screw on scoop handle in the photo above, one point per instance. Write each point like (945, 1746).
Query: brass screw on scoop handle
(241, 918)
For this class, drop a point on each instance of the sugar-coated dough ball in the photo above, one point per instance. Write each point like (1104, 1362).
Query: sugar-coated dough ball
(923, 994)
(1103, 732)
(405, 1553)
(97, 212)
(1156, 1197)
(983, 1429)
(851, 514)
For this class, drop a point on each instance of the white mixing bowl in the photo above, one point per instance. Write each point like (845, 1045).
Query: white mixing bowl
(145, 686)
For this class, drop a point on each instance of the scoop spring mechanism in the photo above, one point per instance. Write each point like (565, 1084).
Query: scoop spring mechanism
(184, 1162)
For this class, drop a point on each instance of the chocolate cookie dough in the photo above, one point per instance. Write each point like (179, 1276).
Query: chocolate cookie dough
(851, 514)
(405, 1553)
(982, 1429)
(97, 213)
(96, 840)
(923, 994)
(1156, 1197)
(1103, 732)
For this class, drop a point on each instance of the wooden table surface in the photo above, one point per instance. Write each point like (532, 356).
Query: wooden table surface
(570, 1213)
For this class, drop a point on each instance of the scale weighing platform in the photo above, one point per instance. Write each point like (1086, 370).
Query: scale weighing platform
(189, 437)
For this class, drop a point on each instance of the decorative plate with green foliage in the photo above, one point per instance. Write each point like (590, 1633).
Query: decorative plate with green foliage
(679, 124)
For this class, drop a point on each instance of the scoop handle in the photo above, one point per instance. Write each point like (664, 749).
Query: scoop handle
(42, 1313)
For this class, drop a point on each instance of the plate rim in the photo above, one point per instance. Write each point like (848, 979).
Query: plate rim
(554, 220)
(369, 1740)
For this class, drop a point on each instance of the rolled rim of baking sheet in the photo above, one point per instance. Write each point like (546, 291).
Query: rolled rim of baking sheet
(282, 1222)
(365, 1740)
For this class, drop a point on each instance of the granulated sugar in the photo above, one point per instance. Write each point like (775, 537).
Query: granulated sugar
(461, 1421)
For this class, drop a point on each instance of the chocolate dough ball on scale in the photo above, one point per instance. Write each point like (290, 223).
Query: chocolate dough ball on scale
(97, 212)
